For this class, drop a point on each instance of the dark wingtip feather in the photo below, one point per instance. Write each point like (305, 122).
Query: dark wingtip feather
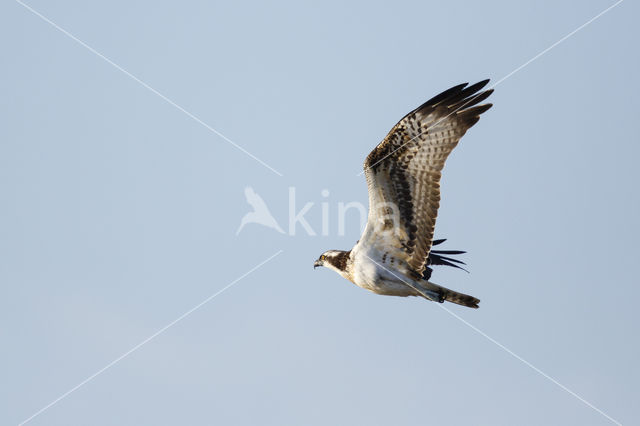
(466, 96)
(475, 87)
(477, 110)
(484, 82)
(458, 97)
(474, 100)
(448, 251)
(453, 265)
(445, 95)
(472, 115)
(437, 257)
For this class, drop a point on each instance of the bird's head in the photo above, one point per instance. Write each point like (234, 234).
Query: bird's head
(333, 259)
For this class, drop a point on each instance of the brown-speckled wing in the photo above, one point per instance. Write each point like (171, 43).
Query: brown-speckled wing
(405, 169)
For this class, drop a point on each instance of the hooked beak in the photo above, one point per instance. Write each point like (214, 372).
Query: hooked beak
(316, 264)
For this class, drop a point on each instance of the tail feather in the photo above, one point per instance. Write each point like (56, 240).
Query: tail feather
(452, 296)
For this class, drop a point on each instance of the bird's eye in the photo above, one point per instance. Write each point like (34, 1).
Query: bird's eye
(323, 257)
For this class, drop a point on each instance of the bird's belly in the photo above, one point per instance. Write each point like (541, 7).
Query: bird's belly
(382, 281)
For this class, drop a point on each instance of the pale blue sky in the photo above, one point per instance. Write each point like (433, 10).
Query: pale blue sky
(119, 214)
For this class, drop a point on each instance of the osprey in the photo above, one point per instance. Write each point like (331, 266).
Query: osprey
(403, 173)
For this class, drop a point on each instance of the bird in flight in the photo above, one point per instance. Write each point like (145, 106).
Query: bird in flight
(394, 253)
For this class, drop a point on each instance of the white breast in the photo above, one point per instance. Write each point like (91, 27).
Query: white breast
(373, 271)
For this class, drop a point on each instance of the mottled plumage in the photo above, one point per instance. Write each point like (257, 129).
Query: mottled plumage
(403, 178)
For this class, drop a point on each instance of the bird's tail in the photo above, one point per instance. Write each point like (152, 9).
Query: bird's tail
(451, 296)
